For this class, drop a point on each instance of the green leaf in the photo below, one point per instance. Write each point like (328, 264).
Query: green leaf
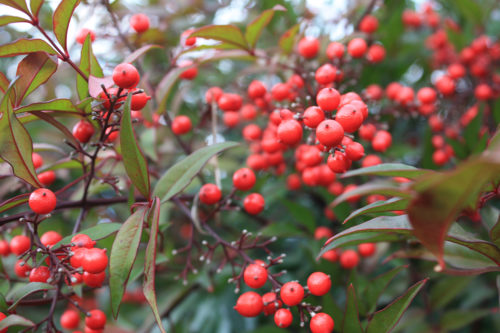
(380, 206)
(386, 319)
(441, 197)
(123, 254)
(34, 70)
(16, 146)
(150, 261)
(4, 82)
(351, 323)
(302, 214)
(133, 159)
(388, 169)
(179, 176)
(165, 86)
(495, 233)
(57, 105)
(15, 320)
(377, 286)
(254, 28)
(64, 130)
(62, 164)
(6, 19)
(287, 40)
(376, 187)
(88, 65)
(17, 4)
(14, 202)
(25, 46)
(3, 303)
(139, 52)
(35, 6)
(230, 34)
(446, 289)
(17, 294)
(457, 319)
(62, 16)
(469, 9)
(97, 232)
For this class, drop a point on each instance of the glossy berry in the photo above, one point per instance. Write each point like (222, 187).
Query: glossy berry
(290, 132)
(230, 102)
(82, 240)
(4, 248)
(335, 50)
(37, 160)
(322, 233)
(210, 194)
(255, 276)
(326, 74)
(231, 118)
(96, 320)
(139, 22)
(368, 24)
(331, 256)
(249, 304)
(367, 131)
(319, 283)
(76, 259)
(321, 323)
(244, 179)
(47, 178)
(39, 274)
(329, 133)
(381, 141)
(139, 100)
(21, 268)
(82, 35)
(350, 118)
(271, 303)
(252, 132)
(366, 249)
(376, 53)
(426, 95)
(213, 94)
(349, 259)
(313, 116)
(70, 319)
(248, 112)
(42, 201)
(283, 318)
(188, 41)
(254, 203)
(256, 89)
(338, 162)
(308, 47)
(126, 76)
(181, 125)
(328, 99)
(445, 85)
(50, 238)
(95, 260)
(292, 293)
(83, 131)
(94, 280)
(191, 72)
(357, 47)
(20, 244)
(354, 151)
(280, 91)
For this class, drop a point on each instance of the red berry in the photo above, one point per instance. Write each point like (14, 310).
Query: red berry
(50, 238)
(82, 240)
(349, 259)
(96, 320)
(21, 268)
(70, 319)
(42, 201)
(181, 125)
(293, 182)
(283, 318)
(371, 160)
(381, 141)
(440, 157)
(248, 112)
(46, 178)
(368, 24)
(188, 41)
(249, 304)
(374, 92)
(126, 76)
(321, 323)
(405, 96)
(426, 95)
(4, 248)
(231, 118)
(255, 276)
(338, 162)
(37, 160)
(213, 93)
(252, 132)
(483, 92)
(329, 133)
(244, 179)
(139, 22)
(280, 91)
(271, 303)
(254, 203)
(95, 260)
(94, 280)
(350, 118)
(354, 151)
(456, 71)
(308, 47)
(326, 74)
(367, 132)
(357, 47)
(191, 72)
(20, 244)
(292, 293)
(366, 249)
(290, 132)
(82, 35)
(230, 102)
(313, 115)
(210, 194)
(39, 274)
(139, 100)
(445, 85)
(376, 53)
(256, 89)
(328, 99)
(76, 259)
(83, 131)
(319, 283)
(322, 232)
(335, 50)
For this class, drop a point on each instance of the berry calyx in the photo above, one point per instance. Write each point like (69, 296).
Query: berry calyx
(42, 201)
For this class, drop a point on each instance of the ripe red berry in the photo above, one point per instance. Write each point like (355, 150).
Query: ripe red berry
(331, 256)
(271, 303)
(255, 276)
(283, 318)
(94, 280)
(181, 125)
(322, 232)
(95, 260)
(350, 118)
(319, 283)
(335, 50)
(188, 41)
(96, 320)
(367, 131)
(349, 259)
(354, 151)
(293, 182)
(256, 89)
(42, 201)
(230, 102)
(191, 72)
(357, 47)
(76, 259)
(252, 132)
(244, 179)
(308, 47)
(338, 162)
(39, 274)
(445, 85)
(290, 132)
(20, 244)
(366, 249)
(231, 118)
(374, 92)
(376, 53)
(50, 238)
(326, 74)
(381, 141)
(329, 133)
(292, 293)
(37, 160)
(249, 304)
(426, 95)
(321, 323)
(82, 240)
(368, 24)
(254, 203)
(248, 112)
(83, 131)
(371, 160)
(280, 91)
(82, 35)
(139, 100)
(4, 248)
(22, 269)
(139, 22)
(440, 157)
(70, 319)
(328, 99)
(210, 194)
(214, 93)
(126, 76)
(46, 178)
(483, 92)
(313, 116)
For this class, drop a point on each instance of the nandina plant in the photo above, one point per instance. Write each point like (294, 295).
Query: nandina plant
(164, 170)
